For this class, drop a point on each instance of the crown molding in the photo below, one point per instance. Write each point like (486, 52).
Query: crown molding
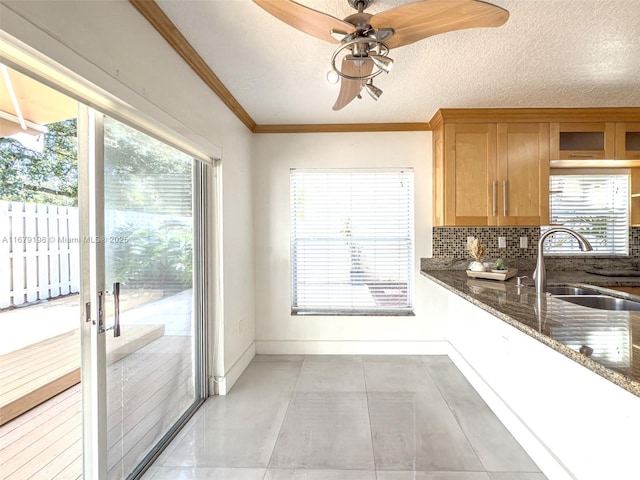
(534, 115)
(152, 12)
(165, 27)
(342, 127)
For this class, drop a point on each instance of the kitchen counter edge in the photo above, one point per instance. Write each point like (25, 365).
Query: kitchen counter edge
(440, 277)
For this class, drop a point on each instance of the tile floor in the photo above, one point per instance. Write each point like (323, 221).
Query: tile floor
(299, 417)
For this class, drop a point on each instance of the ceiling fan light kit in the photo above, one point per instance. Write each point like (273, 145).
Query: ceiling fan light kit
(363, 49)
(382, 62)
(332, 77)
(373, 91)
(366, 39)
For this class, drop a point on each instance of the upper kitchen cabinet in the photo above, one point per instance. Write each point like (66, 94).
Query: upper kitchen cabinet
(491, 165)
(627, 141)
(465, 174)
(523, 174)
(491, 174)
(579, 143)
(635, 197)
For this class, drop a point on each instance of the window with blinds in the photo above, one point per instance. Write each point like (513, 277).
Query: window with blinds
(352, 241)
(597, 206)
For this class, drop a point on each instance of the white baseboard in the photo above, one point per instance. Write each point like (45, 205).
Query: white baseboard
(329, 347)
(223, 384)
(535, 448)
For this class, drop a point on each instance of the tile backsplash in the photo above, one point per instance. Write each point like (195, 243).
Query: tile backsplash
(451, 242)
(634, 241)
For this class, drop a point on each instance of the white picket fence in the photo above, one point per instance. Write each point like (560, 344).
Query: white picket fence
(39, 252)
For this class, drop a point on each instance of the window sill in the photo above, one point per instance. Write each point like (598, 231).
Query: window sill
(579, 254)
(337, 313)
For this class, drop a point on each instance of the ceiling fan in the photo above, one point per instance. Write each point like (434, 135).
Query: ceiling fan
(366, 39)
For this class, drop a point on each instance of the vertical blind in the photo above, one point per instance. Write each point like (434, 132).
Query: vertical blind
(597, 206)
(352, 241)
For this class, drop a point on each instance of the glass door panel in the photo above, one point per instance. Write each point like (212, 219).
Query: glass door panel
(149, 258)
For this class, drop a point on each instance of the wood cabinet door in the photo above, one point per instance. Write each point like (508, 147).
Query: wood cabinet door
(469, 174)
(635, 197)
(523, 174)
(575, 144)
(627, 141)
(438, 178)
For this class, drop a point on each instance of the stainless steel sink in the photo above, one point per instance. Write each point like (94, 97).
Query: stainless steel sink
(565, 290)
(602, 302)
(588, 297)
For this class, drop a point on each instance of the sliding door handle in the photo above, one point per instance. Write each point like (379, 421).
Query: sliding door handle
(116, 309)
(100, 325)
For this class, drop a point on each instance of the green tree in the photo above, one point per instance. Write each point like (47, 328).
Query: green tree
(49, 177)
(135, 167)
(144, 174)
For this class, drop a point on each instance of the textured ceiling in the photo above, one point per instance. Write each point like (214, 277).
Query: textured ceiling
(550, 53)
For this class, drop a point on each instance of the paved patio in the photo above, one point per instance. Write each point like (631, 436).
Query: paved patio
(23, 326)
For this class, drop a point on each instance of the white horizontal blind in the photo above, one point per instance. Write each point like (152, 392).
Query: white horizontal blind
(597, 206)
(352, 241)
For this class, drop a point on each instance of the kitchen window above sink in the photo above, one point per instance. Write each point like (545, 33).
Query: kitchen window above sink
(596, 205)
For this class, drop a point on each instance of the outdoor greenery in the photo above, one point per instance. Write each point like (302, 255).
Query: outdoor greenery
(139, 170)
(50, 177)
(148, 198)
(152, 258)
(145, 176)
(594, 227)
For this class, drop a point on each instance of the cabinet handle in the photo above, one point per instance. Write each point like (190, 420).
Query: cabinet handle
(583, 155)
(495, 198)
(504, 198)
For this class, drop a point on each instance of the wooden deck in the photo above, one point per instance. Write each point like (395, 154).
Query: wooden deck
(46, 442)
(36, 373)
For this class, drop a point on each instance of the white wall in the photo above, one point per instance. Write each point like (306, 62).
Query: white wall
(277, 331)
(113, 46)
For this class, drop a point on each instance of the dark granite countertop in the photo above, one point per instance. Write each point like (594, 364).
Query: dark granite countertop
(561, 325)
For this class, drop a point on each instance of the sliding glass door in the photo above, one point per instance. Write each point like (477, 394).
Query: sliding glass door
(143, 233)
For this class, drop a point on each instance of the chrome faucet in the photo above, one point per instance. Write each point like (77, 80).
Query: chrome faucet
(540, 275)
